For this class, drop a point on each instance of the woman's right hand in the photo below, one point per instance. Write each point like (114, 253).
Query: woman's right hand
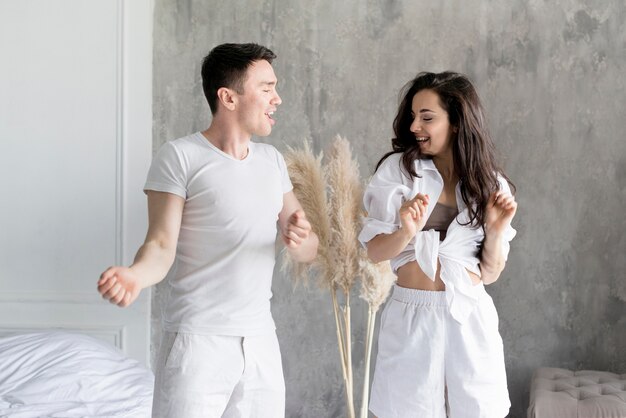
(413, 214)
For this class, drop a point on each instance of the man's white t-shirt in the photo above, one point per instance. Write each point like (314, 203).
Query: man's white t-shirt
(220, 283)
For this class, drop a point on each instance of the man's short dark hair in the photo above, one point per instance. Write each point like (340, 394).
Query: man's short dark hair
(226, 66)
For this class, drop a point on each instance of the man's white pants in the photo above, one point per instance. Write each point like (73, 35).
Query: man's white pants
(219, 376)
(423, 351)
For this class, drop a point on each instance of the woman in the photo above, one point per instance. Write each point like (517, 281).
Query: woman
(440, 209)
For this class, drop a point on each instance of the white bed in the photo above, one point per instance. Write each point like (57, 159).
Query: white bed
(61, 374)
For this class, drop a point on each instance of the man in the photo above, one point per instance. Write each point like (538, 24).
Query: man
(214, 199)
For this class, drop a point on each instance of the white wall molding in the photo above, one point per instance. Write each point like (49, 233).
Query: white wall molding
(55, 297)
(119, 135)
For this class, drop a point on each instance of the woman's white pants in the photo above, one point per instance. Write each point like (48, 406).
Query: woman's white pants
(423, 352)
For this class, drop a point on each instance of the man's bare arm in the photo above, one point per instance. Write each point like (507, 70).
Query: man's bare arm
(121, 285)
(295, 230)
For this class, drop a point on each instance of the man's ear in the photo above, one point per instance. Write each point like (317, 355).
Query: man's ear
(227, 98)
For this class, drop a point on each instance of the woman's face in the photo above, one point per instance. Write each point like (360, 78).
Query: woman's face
(430, 126)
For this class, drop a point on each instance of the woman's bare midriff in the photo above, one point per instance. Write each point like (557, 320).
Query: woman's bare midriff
(411, 276)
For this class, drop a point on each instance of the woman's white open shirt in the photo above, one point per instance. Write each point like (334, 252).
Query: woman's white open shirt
(384, 195)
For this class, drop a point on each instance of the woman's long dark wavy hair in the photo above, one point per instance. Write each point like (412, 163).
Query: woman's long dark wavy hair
(472, 148)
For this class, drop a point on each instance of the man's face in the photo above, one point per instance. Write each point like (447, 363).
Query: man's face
(259, 99)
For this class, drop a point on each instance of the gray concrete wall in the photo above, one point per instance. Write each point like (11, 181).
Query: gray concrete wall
(552, 77)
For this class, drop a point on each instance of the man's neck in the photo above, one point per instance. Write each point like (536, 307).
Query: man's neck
(227, 139)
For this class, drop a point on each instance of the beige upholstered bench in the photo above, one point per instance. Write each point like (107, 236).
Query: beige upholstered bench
(561, 393)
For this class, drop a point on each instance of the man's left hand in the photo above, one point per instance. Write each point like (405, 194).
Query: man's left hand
(297, 231)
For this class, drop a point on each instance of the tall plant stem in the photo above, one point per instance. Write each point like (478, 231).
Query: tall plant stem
(346, 366)
(338, 327)
(348, 339)
(371, 320)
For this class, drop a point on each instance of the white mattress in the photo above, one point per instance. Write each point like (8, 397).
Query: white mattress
(59, 374)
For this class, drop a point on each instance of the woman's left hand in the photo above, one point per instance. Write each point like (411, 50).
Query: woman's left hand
(501, 209)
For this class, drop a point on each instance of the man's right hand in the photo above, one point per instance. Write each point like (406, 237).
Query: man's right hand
(119, 285)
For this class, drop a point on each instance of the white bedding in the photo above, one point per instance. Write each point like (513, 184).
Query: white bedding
(58, 374)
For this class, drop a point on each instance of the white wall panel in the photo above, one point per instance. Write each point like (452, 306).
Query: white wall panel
(75, 144)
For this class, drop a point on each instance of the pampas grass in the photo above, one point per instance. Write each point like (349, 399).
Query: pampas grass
(309, 186)
(376, 282)
(345, 195)
(331, 196)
